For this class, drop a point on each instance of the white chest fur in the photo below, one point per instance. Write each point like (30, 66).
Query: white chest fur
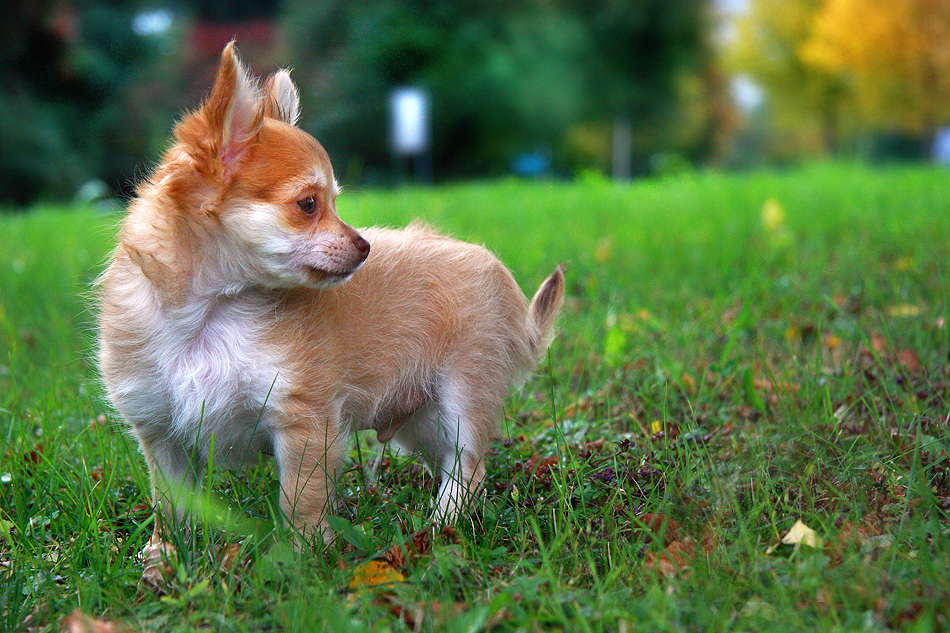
(204, 371)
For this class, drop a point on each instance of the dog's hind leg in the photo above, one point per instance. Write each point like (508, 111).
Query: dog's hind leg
(451, 432)
(467, 418)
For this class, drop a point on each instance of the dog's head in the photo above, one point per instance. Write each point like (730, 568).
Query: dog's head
(264, 186)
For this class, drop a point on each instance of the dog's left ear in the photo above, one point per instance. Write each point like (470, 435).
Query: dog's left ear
(236, 109)
(281, 98)
(219, 134)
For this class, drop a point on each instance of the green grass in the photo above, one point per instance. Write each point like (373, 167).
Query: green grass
(796, 370)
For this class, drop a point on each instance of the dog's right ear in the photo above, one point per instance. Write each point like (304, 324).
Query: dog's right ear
(222, 130)
(281, 98)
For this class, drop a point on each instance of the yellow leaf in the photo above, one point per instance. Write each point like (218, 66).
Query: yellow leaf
(773, 215)
(903, 310)
(904, 263)
(373, 573)
(791, 334)
(801, 534)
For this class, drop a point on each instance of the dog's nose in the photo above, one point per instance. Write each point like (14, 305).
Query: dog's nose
(361, 245)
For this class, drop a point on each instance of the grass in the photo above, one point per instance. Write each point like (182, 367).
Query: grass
(726, 366)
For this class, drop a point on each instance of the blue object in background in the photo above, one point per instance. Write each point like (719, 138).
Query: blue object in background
(531, 164)
(941, 148)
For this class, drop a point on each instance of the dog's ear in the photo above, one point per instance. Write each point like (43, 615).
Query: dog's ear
(281, 98)
(222, 130)
(235, 109)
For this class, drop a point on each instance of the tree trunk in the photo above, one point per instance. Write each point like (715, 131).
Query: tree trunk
(622, 154)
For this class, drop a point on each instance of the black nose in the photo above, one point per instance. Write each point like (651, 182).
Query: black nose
(361, 245)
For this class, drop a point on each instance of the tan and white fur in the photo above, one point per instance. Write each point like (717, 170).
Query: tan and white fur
(238, 306)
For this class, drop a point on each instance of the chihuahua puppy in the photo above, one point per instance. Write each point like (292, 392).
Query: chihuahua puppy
(239, 314)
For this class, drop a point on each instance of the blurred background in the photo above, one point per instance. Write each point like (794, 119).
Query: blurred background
(421, 90)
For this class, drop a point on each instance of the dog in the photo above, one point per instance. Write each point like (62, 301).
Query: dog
(240, 315)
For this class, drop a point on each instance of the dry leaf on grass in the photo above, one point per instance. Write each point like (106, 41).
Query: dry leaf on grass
(657, 523)
(676, 557)
(800, 534)
(401, 554)
(156, 565)
(909, 360)
(413, 614)
(678, 549)
(228, 556)
(79, 622)
(904, 311)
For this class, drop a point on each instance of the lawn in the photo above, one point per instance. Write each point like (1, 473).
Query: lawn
(737, 353)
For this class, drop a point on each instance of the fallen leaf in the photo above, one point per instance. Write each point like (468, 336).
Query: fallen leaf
(539, 466)
(763, 384)
(594, 445)
(657, 523)
(156, 567)
(659, 430)
(373, 573)
(758, 607)
(909, 360)
(878, 343)
(904, 263)
(33, 456)
(410, 614)
(675, 558)
(688, 383)
(79, 622)
(903, 311)
(228, 555)
(800, 534)
(773, 215)
(401, 554)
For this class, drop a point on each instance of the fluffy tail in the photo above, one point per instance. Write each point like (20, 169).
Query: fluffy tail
(544, 307)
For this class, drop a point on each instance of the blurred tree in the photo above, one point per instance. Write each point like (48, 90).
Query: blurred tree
(504, 77)
(893, 58)
(500, 80)
(801, 96)
(76, 102)
(642, 51)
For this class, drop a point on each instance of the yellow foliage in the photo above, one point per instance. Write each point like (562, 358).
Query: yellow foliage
(845, 66)
(892, 55)
(766, 47)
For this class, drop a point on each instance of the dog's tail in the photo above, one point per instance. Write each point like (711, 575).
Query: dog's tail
(544, 307)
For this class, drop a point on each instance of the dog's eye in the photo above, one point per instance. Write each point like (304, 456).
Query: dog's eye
(307, 205)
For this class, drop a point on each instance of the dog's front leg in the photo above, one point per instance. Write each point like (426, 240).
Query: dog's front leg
(172, 476)
(173, 482)
(309, 453)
